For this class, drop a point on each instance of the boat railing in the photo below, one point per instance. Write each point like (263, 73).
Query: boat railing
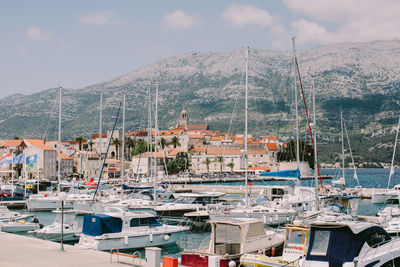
(135, 255)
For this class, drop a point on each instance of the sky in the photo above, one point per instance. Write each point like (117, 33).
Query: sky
(73, 44)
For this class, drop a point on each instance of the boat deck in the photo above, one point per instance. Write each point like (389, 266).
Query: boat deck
(28, 251)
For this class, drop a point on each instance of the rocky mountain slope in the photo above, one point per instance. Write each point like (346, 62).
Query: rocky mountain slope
(362, 78)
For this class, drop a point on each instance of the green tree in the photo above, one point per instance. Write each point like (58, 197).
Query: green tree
(130, 143)
(289, 153)
(163, 142)
(80, 140)
(207, 162)
(231, 165)
(220, 161)
(91, 145)
(179, 164)
(117, 143)
(16, 138)
(175, 141)
(140, 147)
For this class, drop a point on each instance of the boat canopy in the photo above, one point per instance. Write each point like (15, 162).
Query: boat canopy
(96, 225)
(339, 244)
(283, 174)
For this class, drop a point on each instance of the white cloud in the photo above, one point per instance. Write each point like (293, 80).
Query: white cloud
(180, 20)
(98, 18)
(245, 15)
(310, 32)
(353, 20)
(36, 33)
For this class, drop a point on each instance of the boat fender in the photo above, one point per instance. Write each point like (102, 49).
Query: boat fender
(273, 251)
(126, 240)
(151, 237)
(232, 264)
(166, 237)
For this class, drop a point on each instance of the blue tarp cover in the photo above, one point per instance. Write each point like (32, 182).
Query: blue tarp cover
(285, 174)
(96, 225)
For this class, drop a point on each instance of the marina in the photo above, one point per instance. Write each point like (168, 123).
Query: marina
(249, 134)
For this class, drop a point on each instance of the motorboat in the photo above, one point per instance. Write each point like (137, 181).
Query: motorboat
(187, 202)
(52, 232)
(126, 230)
(43, 202)
(15, 226)
(393, 227)
(231, 238)
(270, 216)
(295, 247)
(350, 243)
(7, 215)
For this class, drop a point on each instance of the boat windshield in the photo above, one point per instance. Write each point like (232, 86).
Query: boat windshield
(185, 200)
(227, 239)
(68, 218)
(295, 236)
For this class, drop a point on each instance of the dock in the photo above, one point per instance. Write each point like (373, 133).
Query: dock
(22, 251)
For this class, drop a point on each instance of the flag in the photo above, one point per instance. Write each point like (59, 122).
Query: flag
(31, 163)
(114, 116)
(6, 159)
(20, 159)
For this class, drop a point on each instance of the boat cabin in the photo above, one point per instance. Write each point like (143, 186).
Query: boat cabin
(113, 222)
(198, 198)
(342, 242)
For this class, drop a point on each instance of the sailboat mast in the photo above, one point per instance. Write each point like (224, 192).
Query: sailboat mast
(123, 139)
(149, 153)
(296, 104)
(155, 147)
(394, 152)
(341, 123)
(246, 158)
(315, 152)
(100, 127)
(59, 143)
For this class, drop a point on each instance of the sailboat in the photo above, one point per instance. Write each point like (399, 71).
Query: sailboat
(271, 214)
(382, 197)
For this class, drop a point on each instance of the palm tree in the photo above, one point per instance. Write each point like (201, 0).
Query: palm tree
(116, 142)
(80, 140)
(231, 165)
(130, 143)
(175, 141)
(207, 162)
(91, 145)
(163, 142)
(220, 160)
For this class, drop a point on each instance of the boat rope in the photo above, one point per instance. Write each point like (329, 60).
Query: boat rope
(308, 122)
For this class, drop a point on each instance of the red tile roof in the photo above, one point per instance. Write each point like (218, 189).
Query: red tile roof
(39, 143)
(14, 143)
(197, 136)
(194, 127)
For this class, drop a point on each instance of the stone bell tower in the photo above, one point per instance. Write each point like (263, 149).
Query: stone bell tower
(183, 119)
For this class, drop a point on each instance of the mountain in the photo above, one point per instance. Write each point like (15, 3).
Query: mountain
(362, 78)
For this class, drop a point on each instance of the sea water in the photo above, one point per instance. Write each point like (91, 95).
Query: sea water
(368, 178)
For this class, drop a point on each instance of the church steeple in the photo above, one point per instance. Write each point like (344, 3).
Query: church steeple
(183, 119)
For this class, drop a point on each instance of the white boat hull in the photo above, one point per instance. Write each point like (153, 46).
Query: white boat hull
(269, 219)
(125, 242)
(14, 227)
(46, 204)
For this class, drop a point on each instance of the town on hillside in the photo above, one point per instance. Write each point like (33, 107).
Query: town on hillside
(187, 148)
